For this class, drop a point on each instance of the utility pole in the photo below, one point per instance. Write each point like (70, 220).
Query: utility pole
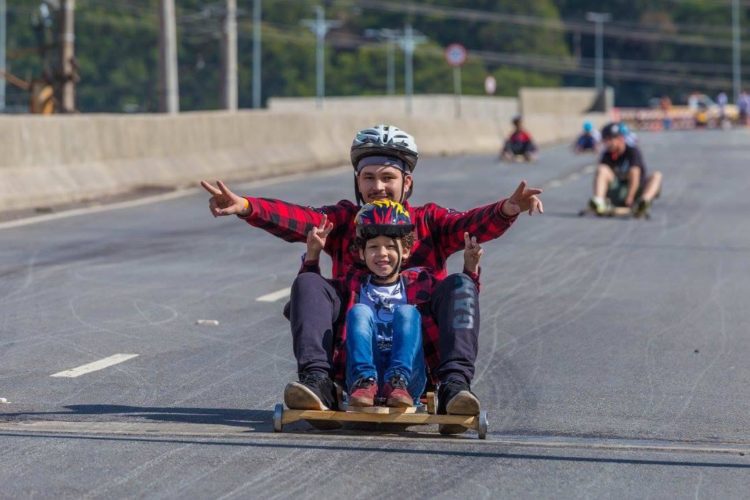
(736, 47)
(320, 27)
(67, 56)
(229, 57)
(3, 12)
(256, 54)
(408, 43)
(391, 37)
(169, 97)
(599, 18)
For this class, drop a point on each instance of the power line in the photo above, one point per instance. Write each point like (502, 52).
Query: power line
(613, 31)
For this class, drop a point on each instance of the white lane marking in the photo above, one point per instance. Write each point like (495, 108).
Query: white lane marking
(164, 197)
(590, 169)
(96, 365)
(554, 184)
(273, 297)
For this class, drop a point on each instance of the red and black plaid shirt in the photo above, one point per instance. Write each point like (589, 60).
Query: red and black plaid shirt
(439, 231)
(419, 285)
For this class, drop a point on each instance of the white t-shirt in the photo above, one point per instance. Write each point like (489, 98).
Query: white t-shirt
(383, 299)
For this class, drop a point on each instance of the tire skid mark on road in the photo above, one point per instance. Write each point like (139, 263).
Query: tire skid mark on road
(716, 300)
(531, 336)
(134, 472)
(28, 280)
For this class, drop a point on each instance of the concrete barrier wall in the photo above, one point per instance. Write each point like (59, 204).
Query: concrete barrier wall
(434, 106)
(564, 101)
(50, 160)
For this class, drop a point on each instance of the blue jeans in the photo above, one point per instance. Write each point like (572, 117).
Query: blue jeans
(364, 359)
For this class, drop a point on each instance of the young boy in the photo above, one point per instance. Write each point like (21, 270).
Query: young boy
(382, 333)
(519, 143)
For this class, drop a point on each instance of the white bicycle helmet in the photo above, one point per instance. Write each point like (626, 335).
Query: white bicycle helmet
(385, 140)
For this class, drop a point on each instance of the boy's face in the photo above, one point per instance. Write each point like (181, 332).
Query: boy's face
(376, 182)
(381, 255)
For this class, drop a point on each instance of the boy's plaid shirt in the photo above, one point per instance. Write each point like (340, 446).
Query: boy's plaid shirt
(419, 285)
(439, 231)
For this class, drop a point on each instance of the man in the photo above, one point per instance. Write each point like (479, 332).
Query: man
(383, 158)
(621, 176)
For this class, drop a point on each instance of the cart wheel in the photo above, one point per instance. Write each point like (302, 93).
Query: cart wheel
(482, 427)
(278, 412)
(431, 402)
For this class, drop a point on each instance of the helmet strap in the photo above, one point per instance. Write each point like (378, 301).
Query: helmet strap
(357, 195)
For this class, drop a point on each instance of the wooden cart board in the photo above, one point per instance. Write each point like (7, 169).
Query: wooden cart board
(620, 212)
(416, 415)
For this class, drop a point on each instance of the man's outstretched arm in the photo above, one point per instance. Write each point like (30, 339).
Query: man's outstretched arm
(288, 221)
(487, 222)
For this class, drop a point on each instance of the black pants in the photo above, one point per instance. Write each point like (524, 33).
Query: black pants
(316, 308)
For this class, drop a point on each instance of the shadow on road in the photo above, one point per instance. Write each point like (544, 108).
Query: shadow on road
(254, 420)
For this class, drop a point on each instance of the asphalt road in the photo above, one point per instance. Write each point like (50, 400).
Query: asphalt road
(613, 357)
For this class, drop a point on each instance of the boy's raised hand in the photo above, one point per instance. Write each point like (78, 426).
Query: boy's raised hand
(225, 202)
(472, 253)
(523, 199)
(316, 238)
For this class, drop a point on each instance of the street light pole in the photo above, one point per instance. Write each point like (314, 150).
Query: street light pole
(736, 64)
(256, 54)
(599, 18)
(320, 27)
(3, 12)
(229, 57)
(408, 43)
(169, 98)
(67, 53)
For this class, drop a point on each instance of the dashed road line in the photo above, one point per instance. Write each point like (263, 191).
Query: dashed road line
(95, 366)
(274, 296)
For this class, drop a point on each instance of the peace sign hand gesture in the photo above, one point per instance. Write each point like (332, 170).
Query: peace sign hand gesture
(316, 238)
(473, 251)
(522, 200)
(225, 202)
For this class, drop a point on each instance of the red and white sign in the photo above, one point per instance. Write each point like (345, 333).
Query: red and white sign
(455, 54)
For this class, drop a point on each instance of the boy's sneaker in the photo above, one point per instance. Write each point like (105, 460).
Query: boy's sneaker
(598, 206)
(396, 394)
(363, 393)
(641, 208)
(314, 391)
(455, 398)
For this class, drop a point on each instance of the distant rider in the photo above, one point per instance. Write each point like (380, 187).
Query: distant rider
(621, 178)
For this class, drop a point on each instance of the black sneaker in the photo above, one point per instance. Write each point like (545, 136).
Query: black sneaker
(314, 391)
(642, 208)
(455, 398)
